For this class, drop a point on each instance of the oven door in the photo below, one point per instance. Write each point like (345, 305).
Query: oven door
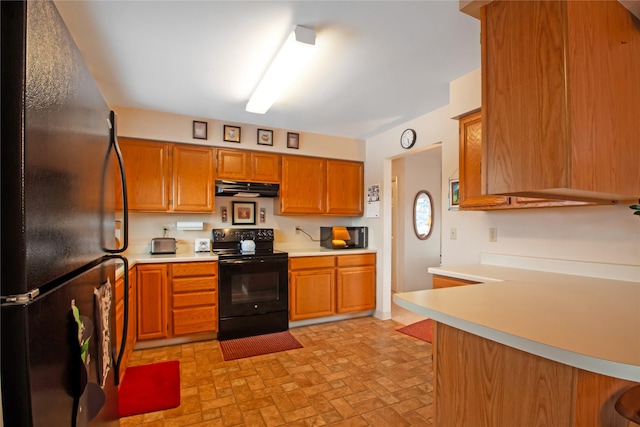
(253, 284)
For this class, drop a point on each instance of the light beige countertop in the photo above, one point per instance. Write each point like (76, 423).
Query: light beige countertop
(590, 323)
(327, 252)
(190, 256)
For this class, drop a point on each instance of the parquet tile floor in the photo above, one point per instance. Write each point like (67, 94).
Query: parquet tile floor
(357, 372)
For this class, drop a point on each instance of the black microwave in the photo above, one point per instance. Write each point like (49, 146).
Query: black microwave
(344, 237)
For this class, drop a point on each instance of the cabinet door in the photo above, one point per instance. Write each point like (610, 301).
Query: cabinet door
(193, 182)
(303, 185)
(345, 188)
(233, 165)
(356, 289)
(470, 165)
(265, 167)
(152, 302)
(119, 300)
(132, 319)
(148, 171)
(312, 293)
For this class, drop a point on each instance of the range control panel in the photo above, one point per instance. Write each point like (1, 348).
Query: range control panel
(240, 234)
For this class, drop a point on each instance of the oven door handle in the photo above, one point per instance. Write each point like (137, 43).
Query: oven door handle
(244, 261)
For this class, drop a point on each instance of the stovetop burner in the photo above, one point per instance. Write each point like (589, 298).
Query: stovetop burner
(227, 241)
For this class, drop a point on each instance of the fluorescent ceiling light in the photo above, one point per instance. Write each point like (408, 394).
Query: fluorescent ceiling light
(290, 61)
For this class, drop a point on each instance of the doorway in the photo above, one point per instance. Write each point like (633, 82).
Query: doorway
(410, 256)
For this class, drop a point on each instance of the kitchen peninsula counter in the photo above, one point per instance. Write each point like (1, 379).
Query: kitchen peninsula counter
(565, 345)
(590, 323)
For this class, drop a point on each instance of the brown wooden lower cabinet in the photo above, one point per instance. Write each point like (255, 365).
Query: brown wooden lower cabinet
(177, 299)
(131, 324)
(194, 307)
(152, 302)
(479, 382)
(447, 282)
(321, 286)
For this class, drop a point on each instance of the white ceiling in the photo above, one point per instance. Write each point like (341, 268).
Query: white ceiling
(379, 64)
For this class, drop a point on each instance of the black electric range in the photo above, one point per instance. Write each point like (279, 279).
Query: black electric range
(253, 286)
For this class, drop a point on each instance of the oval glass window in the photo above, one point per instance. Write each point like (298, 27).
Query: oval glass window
(423, 214)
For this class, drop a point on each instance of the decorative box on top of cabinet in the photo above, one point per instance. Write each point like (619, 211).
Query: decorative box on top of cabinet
(560, 100)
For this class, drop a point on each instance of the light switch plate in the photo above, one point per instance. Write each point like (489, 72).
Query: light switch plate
(202, 245)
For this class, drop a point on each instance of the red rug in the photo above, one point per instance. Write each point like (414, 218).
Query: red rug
(422, 330)
(150, 388)
(255, 346)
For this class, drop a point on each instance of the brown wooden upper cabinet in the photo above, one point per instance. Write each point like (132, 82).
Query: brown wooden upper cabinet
(165, 177)
(471, 197)
(560, 100)
(470, 156)
(193, 181)
(302, 190)
(240, 165)
(316, 186)
(148, 172)
(345, 188)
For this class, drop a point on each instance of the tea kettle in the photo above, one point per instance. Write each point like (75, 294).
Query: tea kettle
(248, 246)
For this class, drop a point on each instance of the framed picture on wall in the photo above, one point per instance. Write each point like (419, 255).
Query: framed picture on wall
(199, 130)
(293, 140)
(454, 194)
(265, 137)
(243, 213)
(231, 133)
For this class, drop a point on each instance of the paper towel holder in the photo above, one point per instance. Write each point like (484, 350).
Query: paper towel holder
(190, 225)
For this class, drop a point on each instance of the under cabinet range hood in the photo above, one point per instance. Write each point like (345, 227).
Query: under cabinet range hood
(246, 189)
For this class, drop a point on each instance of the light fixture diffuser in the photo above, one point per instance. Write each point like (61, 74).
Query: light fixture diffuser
(287, 65)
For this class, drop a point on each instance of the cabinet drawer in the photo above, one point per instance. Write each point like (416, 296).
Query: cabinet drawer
(195, 284)
(301, 263)
(195, 299)
(195, 320)
(446, 282)
(186, 269)
(354, 260)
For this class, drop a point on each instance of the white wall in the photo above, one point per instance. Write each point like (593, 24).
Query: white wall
(606, 234)
(431, 129)
(161, 126)
(416, 172)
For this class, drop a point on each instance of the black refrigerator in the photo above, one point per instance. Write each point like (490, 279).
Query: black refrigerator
(59, 156)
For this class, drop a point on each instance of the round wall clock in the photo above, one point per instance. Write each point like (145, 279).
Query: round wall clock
(408, 138)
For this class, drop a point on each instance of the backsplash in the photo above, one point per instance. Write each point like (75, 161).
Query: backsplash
(145, 226)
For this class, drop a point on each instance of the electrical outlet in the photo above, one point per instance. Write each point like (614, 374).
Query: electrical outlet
(493, 234)
(297, 229)
(453, 233)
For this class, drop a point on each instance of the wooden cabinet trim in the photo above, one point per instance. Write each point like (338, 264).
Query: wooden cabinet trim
(446, 282)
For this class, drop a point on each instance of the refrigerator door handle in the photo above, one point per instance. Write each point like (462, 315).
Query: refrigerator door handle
(113, 144)
(117, 359)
